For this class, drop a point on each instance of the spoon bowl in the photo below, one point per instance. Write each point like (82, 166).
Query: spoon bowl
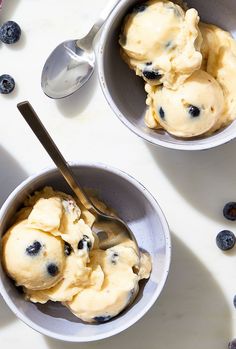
(71, 64)
(67, 69)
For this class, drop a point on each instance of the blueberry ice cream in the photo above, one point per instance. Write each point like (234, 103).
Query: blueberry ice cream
(52, 252)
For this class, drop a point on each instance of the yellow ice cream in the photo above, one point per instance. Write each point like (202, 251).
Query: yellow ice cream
(161, 42)
(191, 110)
(219, 60)
(190, 84)
(33, 258)
(58, 258)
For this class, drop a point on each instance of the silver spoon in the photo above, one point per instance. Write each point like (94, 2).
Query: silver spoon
(110, 230)
(72, 63)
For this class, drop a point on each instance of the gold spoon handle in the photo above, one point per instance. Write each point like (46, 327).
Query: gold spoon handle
(45, 139)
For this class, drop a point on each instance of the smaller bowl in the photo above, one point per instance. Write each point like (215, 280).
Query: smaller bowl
(124, 91)
(135, 205)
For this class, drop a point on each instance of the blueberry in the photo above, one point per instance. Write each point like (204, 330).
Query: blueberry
(7, 84)
(52, 269)
(139, 8)
(161, 113)
(194, 111)
(20, 289)
(152, 74)
(67, 249)
(148, 63)
(225, 240)
(229, 211)
(34, 249)
(10, 32)
(232, 345)
(84, 243)
(114, 257)
(234, 301)
(102, 319)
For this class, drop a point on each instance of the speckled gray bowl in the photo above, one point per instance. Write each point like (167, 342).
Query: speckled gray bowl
(125, 92)
(138, 208)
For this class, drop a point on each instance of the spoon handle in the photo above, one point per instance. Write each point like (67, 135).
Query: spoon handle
(88, 39)
(45, 139)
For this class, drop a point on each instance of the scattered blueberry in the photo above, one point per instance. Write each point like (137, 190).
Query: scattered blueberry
(34, 249)
(114, 257)
(10, 32)
(67, 249)
(161, 113)
(194, 111)
(52, 269)
(168, 44)
(139, 8)
(234, 301)
(229, 211)
(7, 84)
(20, 289)
(225, 240)
(152, 74)
(84, 243)
(232, 345)
(148, 63)
(102, 319)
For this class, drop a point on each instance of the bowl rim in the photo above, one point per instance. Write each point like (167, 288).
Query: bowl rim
(166, 231)
(102, 80)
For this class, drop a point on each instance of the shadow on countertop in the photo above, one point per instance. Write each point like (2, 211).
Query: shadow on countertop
(191, 313)
(8, 9)
(11, 175)
(206, 179)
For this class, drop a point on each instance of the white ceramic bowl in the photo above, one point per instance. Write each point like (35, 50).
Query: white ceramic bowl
(125, 92)
(138, 208)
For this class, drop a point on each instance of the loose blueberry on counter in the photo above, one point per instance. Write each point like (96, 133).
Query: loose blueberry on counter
(84, 243)
(140, 8)
(152, 74)
(102, 319)
(232, 345)
(229, 211)
(161, 113)
(52, 269)
(7, 84)
(67, 249)
(194, 111)
(10, 32)
(225, 240)
(34, 249)
(234, 301)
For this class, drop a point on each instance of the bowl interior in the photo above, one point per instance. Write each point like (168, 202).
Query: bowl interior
(134, 205)
(125, 91)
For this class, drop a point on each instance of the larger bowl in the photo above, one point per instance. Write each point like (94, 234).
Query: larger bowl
(138, 208)
(125, 92)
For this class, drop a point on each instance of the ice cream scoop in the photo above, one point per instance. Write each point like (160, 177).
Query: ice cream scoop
(191, 110)
(33, 258)
(71, 64)
(161, 42)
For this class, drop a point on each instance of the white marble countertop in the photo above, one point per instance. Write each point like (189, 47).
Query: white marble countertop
(195, 310)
